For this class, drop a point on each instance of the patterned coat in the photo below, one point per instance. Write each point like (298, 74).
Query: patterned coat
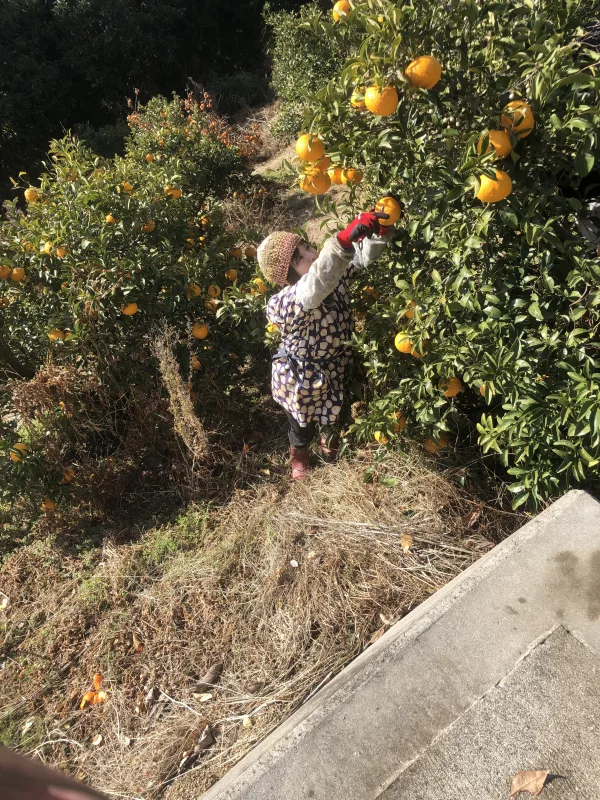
(315, 322)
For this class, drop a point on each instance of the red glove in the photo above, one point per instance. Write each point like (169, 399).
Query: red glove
(366, 224)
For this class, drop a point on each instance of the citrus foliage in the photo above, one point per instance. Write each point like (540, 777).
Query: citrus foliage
(301, 64)
(502, 295)
(110, 248)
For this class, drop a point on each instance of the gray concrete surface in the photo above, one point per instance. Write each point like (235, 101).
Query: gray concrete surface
(364, 734)
(545, 712)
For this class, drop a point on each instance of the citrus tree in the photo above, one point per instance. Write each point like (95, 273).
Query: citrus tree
(106, 251)
(481, 118)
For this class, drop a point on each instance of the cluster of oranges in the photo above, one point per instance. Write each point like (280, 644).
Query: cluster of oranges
(425, 72)
(319, 172)
(517, 117)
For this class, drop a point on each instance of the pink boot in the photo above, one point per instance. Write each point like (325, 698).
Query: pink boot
(330, 450)
(299, 458)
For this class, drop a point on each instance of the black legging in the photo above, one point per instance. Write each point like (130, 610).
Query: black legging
(299, 436)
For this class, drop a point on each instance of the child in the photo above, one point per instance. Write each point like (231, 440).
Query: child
(315, 323)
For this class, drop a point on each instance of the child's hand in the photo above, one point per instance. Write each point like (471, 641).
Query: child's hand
(366, 224)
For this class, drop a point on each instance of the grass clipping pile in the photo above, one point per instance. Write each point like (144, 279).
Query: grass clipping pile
(209, 633)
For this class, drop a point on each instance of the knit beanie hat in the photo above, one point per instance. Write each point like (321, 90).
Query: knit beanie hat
(275, 255)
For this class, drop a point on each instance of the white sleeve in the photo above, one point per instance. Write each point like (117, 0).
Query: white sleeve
(324, 275)
(369, 250)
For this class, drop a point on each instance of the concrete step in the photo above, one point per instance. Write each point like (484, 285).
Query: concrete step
(494, 674)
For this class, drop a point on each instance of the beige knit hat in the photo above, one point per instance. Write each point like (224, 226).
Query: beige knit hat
(275, 255)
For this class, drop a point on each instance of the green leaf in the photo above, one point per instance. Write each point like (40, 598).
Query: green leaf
(584, 162)
(509, 218)
(536, 312)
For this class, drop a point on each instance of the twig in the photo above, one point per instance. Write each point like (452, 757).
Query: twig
(180, 703)
(54, 741)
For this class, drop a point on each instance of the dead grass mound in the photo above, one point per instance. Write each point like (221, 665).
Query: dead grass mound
(210, 632)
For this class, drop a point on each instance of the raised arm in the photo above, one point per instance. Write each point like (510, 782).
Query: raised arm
(324, 274)
(369, 250)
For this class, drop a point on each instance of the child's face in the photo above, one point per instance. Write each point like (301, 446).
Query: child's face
(306, 256)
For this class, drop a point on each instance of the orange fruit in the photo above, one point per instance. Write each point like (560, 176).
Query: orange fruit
(193, 290)
(173, 191)
(127, 187)
(450, 387)
(32, 195)
(261, 286)
(352, 176)
(335, 174)
(48, 504)
(210, 305)
(402, 343)
(250, 251)
(380, 437)
(519, 118)
(381, 100)
(48, 248)
(111, 220)
(341, 10)
(231, 275)
(400, 423)
(358, 97)
(236, 252)
(492, 191)
(61, 252)
(424, 349)
(17, 274)
(149, 158)
(272, 327)
(195, 363)
(310, 148)
(498, 141)
(68, 475)
(56, 334)
(387, 205)
(5, 272)
(410, 311)
(433, 446)
(315, 182)
(129, 309)
(213, 291)
(149, 226)
(323, 164)
(424, 72)
(200, 330)
(22, 448)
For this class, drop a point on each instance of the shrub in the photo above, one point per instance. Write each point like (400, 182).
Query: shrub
(108, 249)
(75, 61)
(237, 92)
(106, 141)
(502, 295)
(301, 64)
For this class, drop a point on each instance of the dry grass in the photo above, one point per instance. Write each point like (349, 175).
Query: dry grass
(185, 421)
(283, 588)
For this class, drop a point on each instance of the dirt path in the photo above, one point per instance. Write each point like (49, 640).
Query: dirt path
(275, 162)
